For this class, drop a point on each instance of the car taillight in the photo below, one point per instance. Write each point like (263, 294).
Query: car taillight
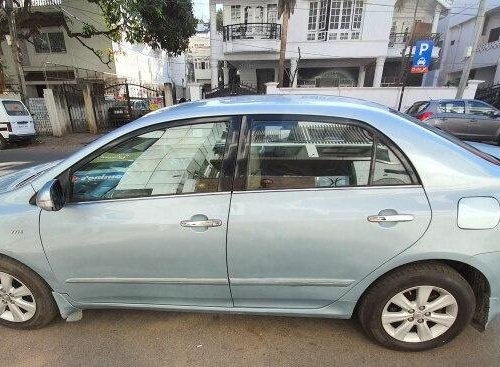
(9, 127)
(424, 116)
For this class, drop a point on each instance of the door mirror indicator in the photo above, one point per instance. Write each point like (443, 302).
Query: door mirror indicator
(51, 196)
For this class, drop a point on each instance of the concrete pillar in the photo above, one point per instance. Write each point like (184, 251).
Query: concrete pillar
(214, 61)
(435, 20)
(293, 71)
(379, 70)
(59, 125)
(225, 69)
(361, 76)
(89, 109)
(272, 88)
(169, 94)
(194, 91)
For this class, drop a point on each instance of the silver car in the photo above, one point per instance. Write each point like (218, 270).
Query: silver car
(465, 118)
(270, 205)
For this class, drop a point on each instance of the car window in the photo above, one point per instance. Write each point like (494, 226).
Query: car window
(452, 107)
(310, 154)
(171, 161)
(15, 108)
(417, 108)
(481, 109)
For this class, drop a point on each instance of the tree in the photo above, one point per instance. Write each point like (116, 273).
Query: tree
(285, 9)
(219, 20)
(161, 24)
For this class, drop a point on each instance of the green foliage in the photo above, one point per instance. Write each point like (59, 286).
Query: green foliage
(161, 24)
(219, 20)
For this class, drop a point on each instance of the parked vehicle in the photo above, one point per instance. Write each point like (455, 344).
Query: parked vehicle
(16, 123)
(121, 114)
(270, 205)
(464, 118)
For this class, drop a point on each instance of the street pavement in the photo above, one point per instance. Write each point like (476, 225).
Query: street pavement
(146, 338)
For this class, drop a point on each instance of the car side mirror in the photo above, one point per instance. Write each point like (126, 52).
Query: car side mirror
(51, 196)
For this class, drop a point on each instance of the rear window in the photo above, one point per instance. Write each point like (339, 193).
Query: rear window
(15, 108)
(451, 138)
(452, 107)
(417, 108)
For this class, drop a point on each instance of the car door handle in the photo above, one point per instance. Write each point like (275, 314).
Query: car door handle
(390, 218)
(201, 223)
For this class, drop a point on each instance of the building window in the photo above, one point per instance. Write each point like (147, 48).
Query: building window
(235, 14)
(52, 42)
(494, 35)
(327, 17)
(272, 13)
(452, 42)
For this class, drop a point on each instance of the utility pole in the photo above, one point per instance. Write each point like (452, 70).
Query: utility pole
(468, 63)
(11, 18)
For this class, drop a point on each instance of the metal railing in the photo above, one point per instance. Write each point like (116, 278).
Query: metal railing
(263, 31)
(400, 39)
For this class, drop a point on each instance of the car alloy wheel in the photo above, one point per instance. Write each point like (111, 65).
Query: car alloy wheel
(17, 303)
(419, 314)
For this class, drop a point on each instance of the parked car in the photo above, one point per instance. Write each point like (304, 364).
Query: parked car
(464, 118)
(16, 123)
(269, 205)
(120, 113)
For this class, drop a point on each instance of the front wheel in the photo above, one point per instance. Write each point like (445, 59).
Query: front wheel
(3, 143)
(417, 307)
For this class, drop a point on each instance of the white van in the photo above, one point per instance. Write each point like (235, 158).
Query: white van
(16, 122)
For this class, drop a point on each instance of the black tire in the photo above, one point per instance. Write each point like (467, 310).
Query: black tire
(433, 274)
(3, 143)
(46, 309)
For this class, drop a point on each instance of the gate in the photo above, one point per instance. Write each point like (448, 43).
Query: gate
(73, 96)
(232, 90)
(121, 103)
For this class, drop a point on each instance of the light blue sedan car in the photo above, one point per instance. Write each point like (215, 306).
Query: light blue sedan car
(270, 205)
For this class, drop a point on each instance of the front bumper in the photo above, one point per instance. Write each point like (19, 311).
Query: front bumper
(14, 137)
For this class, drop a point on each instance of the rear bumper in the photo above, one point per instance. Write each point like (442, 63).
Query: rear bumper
(14, 137)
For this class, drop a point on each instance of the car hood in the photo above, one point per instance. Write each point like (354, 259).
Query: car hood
(23, 177)
(493, 150)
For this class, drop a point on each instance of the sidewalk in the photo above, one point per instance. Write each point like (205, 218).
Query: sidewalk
(68, 143)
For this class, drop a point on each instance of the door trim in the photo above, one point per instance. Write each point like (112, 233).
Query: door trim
(180, 281)
(293, 282)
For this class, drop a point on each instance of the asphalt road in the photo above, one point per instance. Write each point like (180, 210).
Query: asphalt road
(145, 338)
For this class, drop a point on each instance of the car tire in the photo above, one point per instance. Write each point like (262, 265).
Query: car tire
(3, 143)
(30, 307)
(420, 325)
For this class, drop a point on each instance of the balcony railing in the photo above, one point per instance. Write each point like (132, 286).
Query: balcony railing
(254, 31)
(400, 39)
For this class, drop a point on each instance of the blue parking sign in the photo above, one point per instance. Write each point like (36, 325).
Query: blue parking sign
(422, 57)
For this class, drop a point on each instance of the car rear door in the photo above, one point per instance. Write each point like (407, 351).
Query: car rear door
(146, 219)
(484, 121)
(318, 203)
(452, 118)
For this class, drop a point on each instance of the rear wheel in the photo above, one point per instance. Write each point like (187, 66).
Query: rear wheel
(25, 300)
(417, 307)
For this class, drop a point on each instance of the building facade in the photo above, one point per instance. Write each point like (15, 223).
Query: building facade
(458, 30)
(53, 58)
(330, 42)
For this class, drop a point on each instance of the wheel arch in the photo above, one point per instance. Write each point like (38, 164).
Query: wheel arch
(474, 276)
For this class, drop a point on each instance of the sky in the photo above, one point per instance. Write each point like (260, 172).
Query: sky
(201, 9)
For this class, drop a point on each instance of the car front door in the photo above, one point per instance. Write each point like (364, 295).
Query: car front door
(318, 204)
(146, 219)
(452, 118)
(484, 121)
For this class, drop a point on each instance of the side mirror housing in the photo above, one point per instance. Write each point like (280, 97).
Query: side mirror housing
(51, 196)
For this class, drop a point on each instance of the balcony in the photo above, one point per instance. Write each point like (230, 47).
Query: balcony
(251, 37)
(397, 42)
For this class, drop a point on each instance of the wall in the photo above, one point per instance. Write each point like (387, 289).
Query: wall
(388, 96)
(139, 63)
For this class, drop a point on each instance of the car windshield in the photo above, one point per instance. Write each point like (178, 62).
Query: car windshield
(451, 138)
(15, 108)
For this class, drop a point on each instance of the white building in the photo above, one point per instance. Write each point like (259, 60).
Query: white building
(198, 55)
(341, 42)
(54, 58)
(458, 28)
